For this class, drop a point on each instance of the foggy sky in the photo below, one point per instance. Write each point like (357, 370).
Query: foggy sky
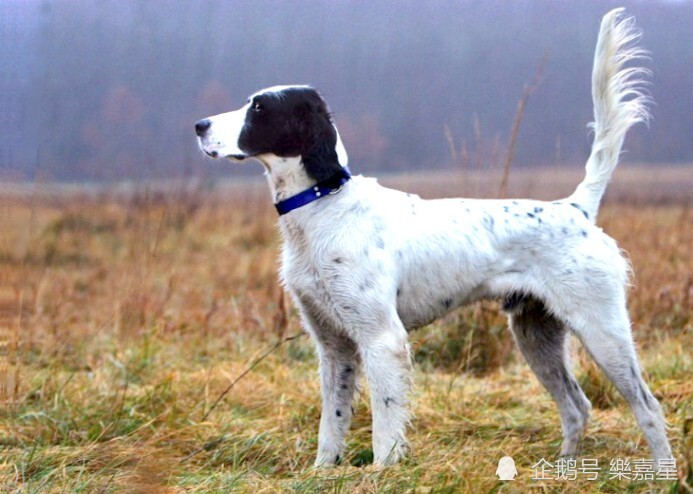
(110, 90)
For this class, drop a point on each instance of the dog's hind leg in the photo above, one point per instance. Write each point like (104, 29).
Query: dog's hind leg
(542, 339)
(606, 336)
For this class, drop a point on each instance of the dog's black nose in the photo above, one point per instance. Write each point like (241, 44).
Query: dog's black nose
(202, 126)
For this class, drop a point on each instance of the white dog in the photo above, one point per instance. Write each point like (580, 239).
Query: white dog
(366, 264)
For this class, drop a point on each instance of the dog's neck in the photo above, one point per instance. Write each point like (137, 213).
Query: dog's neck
(286, 176)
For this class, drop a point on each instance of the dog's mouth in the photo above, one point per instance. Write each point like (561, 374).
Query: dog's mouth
(233, 157)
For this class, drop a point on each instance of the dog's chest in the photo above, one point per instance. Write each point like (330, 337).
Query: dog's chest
(304, 271)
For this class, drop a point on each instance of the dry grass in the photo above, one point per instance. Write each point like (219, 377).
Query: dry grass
(137, 311)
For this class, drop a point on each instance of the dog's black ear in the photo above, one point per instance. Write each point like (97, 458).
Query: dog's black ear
(322, 163)
(320, 155)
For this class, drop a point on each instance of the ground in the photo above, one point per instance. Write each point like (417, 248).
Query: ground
(129, 313)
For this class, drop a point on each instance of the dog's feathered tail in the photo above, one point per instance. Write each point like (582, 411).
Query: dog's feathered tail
(619, 102)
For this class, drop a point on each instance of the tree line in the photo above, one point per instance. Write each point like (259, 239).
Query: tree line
(411, 84)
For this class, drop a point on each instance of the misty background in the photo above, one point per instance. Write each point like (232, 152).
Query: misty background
(110, 90)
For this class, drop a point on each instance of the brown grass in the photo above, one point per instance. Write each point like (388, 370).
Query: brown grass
(138, 310)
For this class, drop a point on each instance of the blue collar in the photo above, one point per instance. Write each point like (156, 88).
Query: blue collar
(330, 186)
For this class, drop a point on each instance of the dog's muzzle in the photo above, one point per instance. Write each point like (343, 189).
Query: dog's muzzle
(217, 136)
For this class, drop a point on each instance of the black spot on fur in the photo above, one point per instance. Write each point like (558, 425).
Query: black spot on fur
(645, 397)
(648, 399)
(572, 383)
(338, 260)
(344, 376)
(506, 209)
(577, 206)
(634, 373)
(447, 303)
(565, 379)
(399, 291)
(530, 215)
(337, 458)
(583, 233)
(538, 209)
(338, 413)
(388, 400)
(564, 230)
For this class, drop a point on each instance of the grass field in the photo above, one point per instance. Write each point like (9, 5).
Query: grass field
(125, 316)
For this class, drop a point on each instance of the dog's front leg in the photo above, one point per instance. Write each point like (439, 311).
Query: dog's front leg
(339, 365)
(387, 364)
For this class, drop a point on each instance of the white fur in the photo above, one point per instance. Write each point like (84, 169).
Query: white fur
(216, 143)
(369, 263)
(613, 113)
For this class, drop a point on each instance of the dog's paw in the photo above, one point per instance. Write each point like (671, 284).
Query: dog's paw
(327, 459)
(392, 455)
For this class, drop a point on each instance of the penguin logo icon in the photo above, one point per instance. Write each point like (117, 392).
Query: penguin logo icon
(506, 468)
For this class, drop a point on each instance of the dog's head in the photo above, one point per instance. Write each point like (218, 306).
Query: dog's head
(282, 121)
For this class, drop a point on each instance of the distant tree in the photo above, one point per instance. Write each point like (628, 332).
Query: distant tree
(123, 81)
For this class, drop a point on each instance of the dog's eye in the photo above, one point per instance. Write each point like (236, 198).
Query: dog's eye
(258, 107)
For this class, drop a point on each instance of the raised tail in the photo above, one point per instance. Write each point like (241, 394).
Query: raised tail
(619, 102)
